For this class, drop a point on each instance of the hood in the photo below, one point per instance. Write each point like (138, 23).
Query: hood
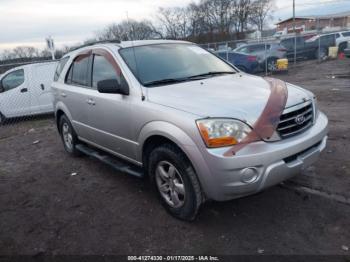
(239, 96)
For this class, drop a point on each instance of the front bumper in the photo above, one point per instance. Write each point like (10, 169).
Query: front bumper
(261, 164)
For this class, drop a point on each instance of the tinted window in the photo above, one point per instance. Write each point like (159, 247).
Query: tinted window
(243, 49)
(103, 70)
(258, 48)
(78, 72)
(13, 80)
(60, 67)
(171, 61)
(288, 43)
(328, 40)
(346, 34)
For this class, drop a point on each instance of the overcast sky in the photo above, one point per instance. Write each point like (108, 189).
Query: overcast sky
(28, 22)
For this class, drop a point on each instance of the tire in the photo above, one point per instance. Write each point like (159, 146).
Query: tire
(68, 136)
(271, 64)
(2, 119)
(321, 53)
(175, 182)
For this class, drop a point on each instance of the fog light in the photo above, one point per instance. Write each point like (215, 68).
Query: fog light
(249, 175)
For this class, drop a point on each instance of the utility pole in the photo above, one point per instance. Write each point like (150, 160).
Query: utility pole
(295, 35)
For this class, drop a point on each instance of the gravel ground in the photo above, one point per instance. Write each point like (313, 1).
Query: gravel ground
(44, 209)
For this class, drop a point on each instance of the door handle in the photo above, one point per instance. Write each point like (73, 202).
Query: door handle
(90, 102)
(23, 90)
(63, 94)
(42, 86)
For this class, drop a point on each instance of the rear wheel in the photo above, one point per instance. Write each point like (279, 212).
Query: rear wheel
(175, 181)
(69, 137)
(321, 53)
(271, 64)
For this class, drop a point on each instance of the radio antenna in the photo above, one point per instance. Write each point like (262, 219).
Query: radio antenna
(132, 36)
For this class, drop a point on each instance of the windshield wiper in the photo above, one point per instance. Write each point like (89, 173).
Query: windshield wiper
(166, 81)
(212, 73)
(184, 79)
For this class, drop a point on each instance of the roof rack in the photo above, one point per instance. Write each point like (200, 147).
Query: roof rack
(96, 42)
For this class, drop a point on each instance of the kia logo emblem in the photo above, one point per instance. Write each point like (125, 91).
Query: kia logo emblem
(300, 119)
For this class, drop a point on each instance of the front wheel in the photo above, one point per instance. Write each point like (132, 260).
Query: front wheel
(69, 137)
(175, 182)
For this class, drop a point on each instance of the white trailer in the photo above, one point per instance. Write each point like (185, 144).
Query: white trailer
(26, 90)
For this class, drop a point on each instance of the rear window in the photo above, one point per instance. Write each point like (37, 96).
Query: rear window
(60, 67)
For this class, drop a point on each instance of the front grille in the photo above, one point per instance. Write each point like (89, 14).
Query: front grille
(295, 120)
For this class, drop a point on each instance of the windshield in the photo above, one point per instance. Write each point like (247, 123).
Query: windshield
(156, 63)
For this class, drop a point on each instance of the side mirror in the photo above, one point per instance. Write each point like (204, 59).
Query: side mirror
(112, 86)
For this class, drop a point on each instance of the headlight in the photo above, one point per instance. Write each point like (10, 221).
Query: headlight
(219, 132)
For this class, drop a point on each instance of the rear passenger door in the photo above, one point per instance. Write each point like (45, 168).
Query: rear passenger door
(74, 94)
(109, 114)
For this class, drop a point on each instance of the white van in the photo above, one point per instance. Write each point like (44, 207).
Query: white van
(26, 90)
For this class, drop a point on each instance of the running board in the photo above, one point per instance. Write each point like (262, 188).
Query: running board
(115, 163)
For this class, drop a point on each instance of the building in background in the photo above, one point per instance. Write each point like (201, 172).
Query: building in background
(334, 22)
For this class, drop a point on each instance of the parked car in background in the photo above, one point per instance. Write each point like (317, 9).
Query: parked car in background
(196, 128)
(246, 63)
(321, 44)
(341, 40)
(267, 53)
(26, 90)
(303, 49)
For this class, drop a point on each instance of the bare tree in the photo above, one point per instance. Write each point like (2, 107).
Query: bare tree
(129, 30)
(25, 52)
(174, 22)
(260, 12)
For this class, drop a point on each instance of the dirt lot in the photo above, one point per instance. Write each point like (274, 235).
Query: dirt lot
(46, 210)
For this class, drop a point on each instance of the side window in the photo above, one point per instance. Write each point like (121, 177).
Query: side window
(60, 67)
(346, 34)
(13, 80)
(243, 50)
(103, 70)
(78, 72)
(287, 43)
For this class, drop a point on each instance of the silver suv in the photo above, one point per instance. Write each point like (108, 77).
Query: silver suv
(194, 124)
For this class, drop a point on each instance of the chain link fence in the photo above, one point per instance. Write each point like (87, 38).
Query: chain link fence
(25, 91)
(260, 56)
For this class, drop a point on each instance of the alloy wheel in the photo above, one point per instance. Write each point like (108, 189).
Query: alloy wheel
(170, 184)
(67, 136)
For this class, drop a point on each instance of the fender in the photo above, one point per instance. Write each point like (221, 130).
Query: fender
(61, 106)
(184, 142)
(165, 129)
